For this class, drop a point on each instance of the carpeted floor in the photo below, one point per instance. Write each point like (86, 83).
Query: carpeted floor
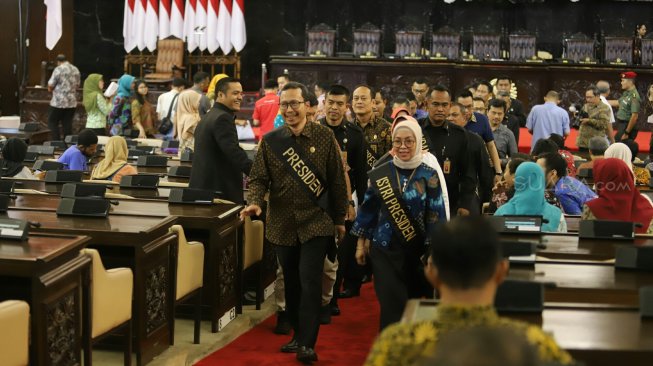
(345, 341)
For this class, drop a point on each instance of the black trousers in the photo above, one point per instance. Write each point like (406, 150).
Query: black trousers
(398, 276)
(63, 115)
(349, 273)
(302, 267)
(621, 127)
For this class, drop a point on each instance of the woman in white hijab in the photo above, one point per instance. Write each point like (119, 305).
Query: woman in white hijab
(403, 204)
(624, 152)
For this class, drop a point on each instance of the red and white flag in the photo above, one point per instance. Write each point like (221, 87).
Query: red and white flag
(212, 25)
(238, 33)
(164, 18)
(224, 26)
(151, 32)
(189, 25)
(177, 19)
(127, 29)
(138, 28)
(53, 23)
(200, 23)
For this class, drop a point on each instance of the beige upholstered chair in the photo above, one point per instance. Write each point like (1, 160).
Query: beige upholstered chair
(189, 273)
(111, 302)
(252, 256)
(14, 333)
(170, 52)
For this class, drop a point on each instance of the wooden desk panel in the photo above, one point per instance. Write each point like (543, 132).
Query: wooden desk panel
(577, 283)
(217, 226)
(47, 271)
(595, 337)
(31, 138)
(141, 243)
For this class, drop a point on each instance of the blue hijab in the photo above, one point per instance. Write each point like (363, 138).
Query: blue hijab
(529, 197)
(125, 86)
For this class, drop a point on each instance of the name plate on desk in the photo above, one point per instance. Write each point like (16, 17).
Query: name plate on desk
(71, 139)
(191, 196)
(29, 126)
(136, 153)
(45, 165)
(63, 176)
(31, 157)
(520, 296)
(186, 156)
(172, 144)
(56, 144)
(632, 257)
(152, 161)
(13, 229)
(140, 181)
(517, 224)
(41, 149)
(93, 207)
(600, 229)
(181, 171)
(73, 190)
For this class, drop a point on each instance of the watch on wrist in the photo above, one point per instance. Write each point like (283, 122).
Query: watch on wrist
(351, 203)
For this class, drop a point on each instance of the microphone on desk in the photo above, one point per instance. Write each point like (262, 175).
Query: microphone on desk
(34, 224)
(114, 202)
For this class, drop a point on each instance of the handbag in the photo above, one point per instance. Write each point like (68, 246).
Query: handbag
(166, 123)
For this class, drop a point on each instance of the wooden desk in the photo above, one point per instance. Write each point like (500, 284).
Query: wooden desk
(55, 189)
(578, 283)
(31, 138)
(573, 223)
(141, 243)
(595, 337)
(217, 226)
(46, 271)
(569, 248)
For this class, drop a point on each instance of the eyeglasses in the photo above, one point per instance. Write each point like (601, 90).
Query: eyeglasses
(294, 104)
(408, 143)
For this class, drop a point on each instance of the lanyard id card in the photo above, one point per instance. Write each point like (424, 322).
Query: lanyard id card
(446, 166)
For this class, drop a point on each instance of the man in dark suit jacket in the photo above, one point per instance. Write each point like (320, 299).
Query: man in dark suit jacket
(219, 162)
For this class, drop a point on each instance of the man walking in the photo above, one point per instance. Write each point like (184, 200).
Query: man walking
(63, 85)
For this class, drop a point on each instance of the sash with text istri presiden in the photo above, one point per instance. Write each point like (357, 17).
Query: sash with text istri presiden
(386, 186)
(299, 166)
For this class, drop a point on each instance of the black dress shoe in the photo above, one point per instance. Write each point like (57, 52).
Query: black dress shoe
(283, 325)
(366, 279)
(335, 309)
(290, 347)
(347, 293)
(306, 355)
(325, 314)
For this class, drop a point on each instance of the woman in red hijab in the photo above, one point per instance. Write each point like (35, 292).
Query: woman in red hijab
(619, 199)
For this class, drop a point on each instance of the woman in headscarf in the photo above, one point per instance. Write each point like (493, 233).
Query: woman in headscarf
(210, 93)
(144, 117)
(186, 119)
(114, 166)
(96, 104)
(402, 205)
(529, 200)
(624, 152)
(618, 198)
(120, 116)
(13, 154)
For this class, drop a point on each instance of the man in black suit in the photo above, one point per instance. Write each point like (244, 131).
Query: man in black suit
(504, 83)
(219, 162)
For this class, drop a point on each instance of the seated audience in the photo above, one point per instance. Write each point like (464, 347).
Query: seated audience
(96, 104)
(562, 150)
(465, 266)
(624, 151)
(597, 146)
(76, 157)
(186, 119)
(544, 146)
(529, 200)
(571, 193)
(114, 165)
(618, 198)
(13, 154)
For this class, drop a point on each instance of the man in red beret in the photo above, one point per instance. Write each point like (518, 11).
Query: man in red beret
(628, 105)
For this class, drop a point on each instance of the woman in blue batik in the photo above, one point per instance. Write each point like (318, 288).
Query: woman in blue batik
(401, 207)
(121, 114)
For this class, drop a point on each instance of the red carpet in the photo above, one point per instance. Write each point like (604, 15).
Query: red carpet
(346, 341)
(642, 139)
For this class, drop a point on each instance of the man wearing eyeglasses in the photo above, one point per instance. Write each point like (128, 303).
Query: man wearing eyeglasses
(449, 143)
(300, 166)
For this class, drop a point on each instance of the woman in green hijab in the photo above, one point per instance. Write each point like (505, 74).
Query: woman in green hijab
(96, 104)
